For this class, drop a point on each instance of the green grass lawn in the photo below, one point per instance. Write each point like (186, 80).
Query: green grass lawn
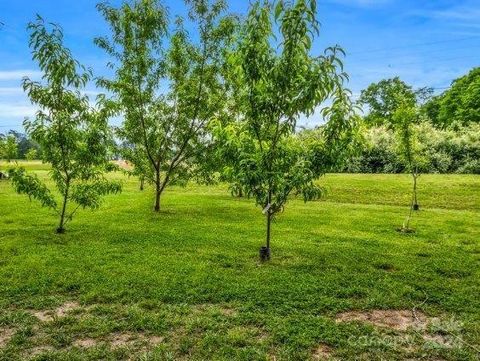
(186, 284)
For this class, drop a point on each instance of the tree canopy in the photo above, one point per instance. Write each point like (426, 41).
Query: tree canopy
(385, 97)
(459, 105)
(74, 137)
(166, 84)
(276, 80)
(8, 147)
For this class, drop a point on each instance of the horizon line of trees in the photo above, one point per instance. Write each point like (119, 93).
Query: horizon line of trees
(447, 125)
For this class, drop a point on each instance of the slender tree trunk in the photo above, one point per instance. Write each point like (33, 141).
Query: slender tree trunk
(158, 191)
(142, 181)
(269, 222)
(61, 226)
(266, 250)
(415, 202)
(406, 224)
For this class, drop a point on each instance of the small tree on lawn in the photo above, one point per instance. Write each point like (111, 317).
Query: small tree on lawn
(404, 120)
(8, 148)
(167, 93)
(73, 136)
(275, 84)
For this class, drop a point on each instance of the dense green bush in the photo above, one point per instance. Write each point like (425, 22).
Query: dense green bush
(446, 151)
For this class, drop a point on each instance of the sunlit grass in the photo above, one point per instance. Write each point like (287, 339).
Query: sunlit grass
(190, 275)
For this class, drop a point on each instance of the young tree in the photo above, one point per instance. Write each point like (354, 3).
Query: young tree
(73, 136)
(404, 120)
(8, 148)
(274, 84)
(166, 89)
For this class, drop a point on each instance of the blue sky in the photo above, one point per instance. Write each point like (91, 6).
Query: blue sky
(426, 43)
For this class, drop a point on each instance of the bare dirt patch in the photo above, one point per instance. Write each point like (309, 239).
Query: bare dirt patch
(212, 307)
(126, 339)
(5, 335)
(130, 339)
(40, 349)
(61, 311)
(415, 331)
(66, 308)
(322, 352)
(400, 320)
(442, 341)
(85, 343)
(44, 316)
(155, 340)
(228, 311)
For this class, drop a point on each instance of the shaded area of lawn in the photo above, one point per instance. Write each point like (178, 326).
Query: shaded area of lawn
(190, 275)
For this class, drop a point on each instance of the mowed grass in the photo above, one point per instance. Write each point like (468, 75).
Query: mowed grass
(186, 284)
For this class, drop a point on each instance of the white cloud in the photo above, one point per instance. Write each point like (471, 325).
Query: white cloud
(16, 110)
(10, 91)
(19, 74)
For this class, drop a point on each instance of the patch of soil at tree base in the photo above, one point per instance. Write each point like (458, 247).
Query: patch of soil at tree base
(322, 352)
(5, 335)
(400, 320)
(405, 230)
(388, 267)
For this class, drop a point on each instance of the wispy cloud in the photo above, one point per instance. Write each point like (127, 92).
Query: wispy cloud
(10, 91)
(459, 13)
(10, 111)
(19, 74)
(467, 13)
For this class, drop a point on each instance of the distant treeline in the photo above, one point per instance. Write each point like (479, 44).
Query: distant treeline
(447, 127)
(444, 151)
(16, 145)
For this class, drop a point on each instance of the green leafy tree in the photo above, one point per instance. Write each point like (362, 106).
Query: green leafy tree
(167, 88)
(384, 98)
(410, 149)
(73, 136)
(23, 143)
(32, 154)
(8, 148)
(276, 80)
(459, 105)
